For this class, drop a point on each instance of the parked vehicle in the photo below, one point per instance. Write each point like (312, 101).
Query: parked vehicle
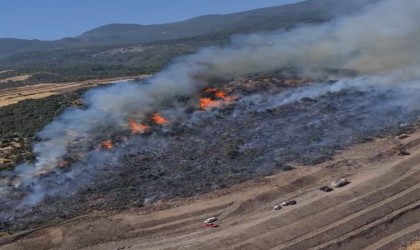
(289, 202)
(402, 152)
(210, 220)
(326, 189)
(340, 183)
(210, 225)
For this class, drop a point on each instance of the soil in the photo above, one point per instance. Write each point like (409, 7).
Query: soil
(15, 78)
(379, 209)
(156, 193)
(414, 246)
(14, 95)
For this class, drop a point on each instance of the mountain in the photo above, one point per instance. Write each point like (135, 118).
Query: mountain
(265, 19)
(248, 21)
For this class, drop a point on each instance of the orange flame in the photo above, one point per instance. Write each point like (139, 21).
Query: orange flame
(107, 144)
(217, 93)
(217, 98)
(137, 128)
(206, 103)
(220, 94)
(156, 118)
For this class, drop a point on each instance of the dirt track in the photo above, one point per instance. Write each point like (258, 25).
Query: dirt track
(14, 95)
(379, 209)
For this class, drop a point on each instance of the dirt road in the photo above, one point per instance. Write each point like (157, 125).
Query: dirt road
(379, 209)
(14, 95)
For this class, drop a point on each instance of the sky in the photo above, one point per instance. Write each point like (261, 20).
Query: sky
(55, 19)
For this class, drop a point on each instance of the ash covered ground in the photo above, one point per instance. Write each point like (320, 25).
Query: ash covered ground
(271, 126)
(87, 159)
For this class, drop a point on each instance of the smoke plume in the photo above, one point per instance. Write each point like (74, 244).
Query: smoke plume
(380, 43)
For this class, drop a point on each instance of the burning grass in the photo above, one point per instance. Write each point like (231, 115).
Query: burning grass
(158, 119)
(107, 144)
(155, 159)
(137, 128)
(214, 98)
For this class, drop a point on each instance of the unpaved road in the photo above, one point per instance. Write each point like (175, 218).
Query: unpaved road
(14, 95)
(379, 209)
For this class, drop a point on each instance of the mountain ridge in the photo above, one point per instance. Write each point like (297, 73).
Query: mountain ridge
(263, 19)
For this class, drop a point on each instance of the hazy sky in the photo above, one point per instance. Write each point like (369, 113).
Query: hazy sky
(54, 19)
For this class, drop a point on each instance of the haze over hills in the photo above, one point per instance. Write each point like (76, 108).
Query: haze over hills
(248, 21)
(306, 137)
(265, 19)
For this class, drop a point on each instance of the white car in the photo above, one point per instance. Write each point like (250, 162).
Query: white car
(289, 202)
(277, 207)
(339, 183)
(210, 220)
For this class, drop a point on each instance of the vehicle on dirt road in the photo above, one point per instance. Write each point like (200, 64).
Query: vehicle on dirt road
(326, 189)
(277, 207)
(210, 220)
(289, 202)
(211, 225)
(339, 183)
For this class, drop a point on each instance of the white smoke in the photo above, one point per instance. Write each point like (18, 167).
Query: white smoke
(382, 43)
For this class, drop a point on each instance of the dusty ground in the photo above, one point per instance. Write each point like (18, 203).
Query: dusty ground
(11, 96)
(15, 78)
(379, 209)
(414, 246)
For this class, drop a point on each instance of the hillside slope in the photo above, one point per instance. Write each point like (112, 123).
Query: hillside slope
(284, 16)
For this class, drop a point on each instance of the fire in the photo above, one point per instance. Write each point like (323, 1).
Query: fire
(220, 94)
(215, 98)
(217, 93)
(107, 144)
(137, 128)
(206, 103)
(156, 118)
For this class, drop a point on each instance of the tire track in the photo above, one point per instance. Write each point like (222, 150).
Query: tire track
(302, 227)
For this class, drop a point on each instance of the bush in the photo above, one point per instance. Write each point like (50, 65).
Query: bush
(20, 122)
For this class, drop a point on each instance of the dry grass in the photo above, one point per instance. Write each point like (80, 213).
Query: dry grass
(15, 78)
(21, 98)
(5, 71)
(15, 95)
(414, 246)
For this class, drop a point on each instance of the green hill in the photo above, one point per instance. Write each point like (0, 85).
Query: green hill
(284, 16)
(131, 49)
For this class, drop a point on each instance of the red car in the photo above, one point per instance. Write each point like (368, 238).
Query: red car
(210, 225)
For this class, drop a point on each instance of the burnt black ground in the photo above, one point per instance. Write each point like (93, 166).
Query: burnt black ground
(218, 148)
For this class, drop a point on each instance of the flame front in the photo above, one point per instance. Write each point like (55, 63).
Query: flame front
(220, 94)
(156, 118)
(217, 93)
(215, 98)
(137, 128)
(107, 144)
(206, 103)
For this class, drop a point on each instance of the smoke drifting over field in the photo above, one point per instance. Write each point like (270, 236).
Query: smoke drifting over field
(381, 43)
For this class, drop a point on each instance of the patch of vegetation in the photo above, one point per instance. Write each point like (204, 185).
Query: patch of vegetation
(20, 122)
(97, 62)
